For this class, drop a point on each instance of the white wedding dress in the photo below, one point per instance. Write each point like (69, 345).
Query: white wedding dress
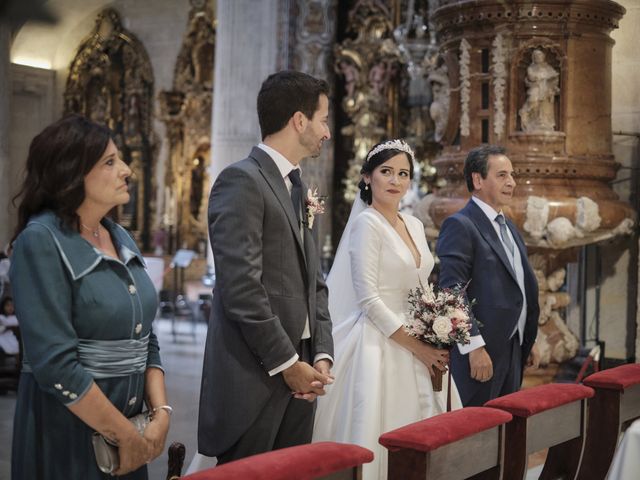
(379, 385)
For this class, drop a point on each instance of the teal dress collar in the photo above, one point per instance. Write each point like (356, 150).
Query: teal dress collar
(78, 255)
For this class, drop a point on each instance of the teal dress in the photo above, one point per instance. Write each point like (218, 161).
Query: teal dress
(67, 294)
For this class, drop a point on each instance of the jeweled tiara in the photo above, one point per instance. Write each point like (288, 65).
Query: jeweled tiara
(392, 145)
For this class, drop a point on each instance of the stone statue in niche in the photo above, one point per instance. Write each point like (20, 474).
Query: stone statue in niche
(133, 118)
(351, 76)
(378, 79)
(439, 108)
(538, 112)
(99, 103)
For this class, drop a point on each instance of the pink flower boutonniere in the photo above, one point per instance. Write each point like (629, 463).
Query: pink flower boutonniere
(314, 204)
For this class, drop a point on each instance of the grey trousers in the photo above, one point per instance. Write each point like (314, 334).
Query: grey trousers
(282, 423)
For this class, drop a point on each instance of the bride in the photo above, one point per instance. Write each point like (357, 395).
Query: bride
(382, 375)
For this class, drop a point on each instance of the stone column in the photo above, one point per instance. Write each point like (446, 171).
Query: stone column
(5, 167)
(246, 51)
(315, 32)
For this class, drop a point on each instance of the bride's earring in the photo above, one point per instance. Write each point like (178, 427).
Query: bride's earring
(366, 186)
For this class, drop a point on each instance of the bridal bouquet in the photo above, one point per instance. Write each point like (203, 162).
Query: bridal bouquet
(440, 317)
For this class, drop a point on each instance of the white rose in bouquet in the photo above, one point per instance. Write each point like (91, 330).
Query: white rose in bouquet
(442, 328)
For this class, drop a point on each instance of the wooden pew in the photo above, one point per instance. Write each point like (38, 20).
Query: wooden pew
(614, 407)
(322, 460)
(550, 416)
(465, 443)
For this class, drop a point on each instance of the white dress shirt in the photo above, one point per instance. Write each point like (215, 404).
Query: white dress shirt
(286, 167)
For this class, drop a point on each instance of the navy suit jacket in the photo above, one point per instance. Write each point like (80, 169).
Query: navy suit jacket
(470, 250)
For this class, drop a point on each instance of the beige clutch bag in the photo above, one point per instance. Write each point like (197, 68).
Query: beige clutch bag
(106, 451)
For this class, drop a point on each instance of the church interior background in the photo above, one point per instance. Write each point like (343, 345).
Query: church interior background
(176, 81)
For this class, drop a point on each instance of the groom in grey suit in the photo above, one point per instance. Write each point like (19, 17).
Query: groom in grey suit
(269, 347)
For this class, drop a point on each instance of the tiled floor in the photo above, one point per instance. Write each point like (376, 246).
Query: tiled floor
(183, 363)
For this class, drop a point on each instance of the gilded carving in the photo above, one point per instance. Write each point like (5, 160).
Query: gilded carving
(111, 82)
(186, 111)
(369, 65)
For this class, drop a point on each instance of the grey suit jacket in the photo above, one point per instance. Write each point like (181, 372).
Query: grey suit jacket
(470, 250)
(267, 282)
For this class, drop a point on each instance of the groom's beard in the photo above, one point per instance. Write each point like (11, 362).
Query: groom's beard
(311, 144)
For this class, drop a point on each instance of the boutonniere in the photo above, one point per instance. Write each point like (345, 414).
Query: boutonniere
(314, 204)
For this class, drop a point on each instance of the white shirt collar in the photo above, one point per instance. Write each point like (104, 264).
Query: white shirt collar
(284, 165)
(488, 210)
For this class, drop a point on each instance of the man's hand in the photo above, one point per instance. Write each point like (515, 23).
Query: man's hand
(302, 379)
(534, 357)
(480, 365)
(323, 366)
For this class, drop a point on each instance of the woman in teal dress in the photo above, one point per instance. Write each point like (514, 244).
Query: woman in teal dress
(85, 306)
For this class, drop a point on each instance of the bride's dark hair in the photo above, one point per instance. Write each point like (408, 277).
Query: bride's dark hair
(374, 162)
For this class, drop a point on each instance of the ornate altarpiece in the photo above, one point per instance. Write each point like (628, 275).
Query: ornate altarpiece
(111, 82)
(186, 110)
(390, 83)
(533, 76)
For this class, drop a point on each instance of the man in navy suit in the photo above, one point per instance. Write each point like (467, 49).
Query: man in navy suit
(481, 246)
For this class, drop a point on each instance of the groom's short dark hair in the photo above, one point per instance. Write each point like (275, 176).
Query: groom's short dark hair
(284, 93)
(478, 161)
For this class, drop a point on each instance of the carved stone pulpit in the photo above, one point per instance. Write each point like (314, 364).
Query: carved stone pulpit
(535, 77)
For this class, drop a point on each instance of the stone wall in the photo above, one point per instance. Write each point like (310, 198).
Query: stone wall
(619, 260)
(159, 25)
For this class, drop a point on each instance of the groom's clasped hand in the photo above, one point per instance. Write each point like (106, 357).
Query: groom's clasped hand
(307, 382)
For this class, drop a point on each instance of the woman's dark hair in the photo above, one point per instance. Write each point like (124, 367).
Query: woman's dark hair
(3, 304)
(284, 93)
(374, 162)
(59, 158)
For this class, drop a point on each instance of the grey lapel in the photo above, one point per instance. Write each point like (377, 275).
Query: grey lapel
(271, 174)
(489, 234)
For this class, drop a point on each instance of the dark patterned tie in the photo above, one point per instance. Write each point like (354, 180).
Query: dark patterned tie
(296, 192)
(503, 233)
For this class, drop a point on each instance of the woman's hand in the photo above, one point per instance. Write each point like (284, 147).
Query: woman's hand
(134, 450)
(432, 357)
(156, 432)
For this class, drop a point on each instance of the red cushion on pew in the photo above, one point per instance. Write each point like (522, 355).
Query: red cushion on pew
(432, 433)
(526, 403)
(302, 462)
(618, 378)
